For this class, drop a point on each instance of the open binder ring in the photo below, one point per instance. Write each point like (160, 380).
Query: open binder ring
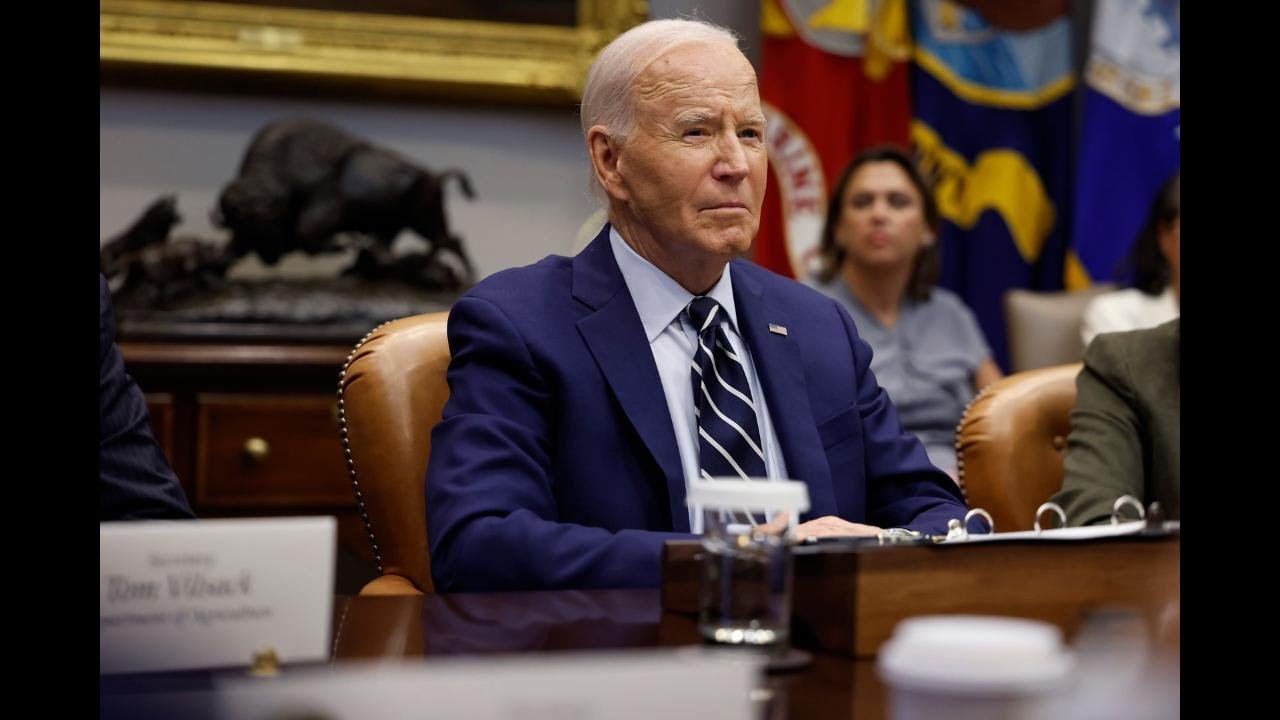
(1062, 517)
(985, 515)
(1121, 502)
(959, 529)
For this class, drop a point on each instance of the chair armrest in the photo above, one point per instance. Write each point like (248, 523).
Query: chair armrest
(390, 585)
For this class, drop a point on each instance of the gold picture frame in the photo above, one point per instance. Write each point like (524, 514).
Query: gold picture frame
(481, 60)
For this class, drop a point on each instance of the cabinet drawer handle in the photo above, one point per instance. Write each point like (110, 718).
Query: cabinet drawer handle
(256, 449)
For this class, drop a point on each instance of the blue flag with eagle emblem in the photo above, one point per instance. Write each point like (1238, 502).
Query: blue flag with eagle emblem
(992, 130)
(1129, 142)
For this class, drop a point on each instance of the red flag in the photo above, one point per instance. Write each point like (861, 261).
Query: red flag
(834, 81)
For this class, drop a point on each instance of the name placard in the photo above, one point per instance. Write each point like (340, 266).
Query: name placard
(661, 683)
(179, 595)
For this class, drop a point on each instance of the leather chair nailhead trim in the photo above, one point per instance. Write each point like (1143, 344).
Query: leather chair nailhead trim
(346, 447)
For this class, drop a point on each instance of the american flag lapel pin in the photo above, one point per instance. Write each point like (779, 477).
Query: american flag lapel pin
(777, 329)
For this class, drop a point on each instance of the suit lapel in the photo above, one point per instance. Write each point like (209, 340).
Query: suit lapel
(617, 341)
(781, 373)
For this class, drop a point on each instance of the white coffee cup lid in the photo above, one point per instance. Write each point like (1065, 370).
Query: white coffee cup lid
(975, 654)
(758, 495)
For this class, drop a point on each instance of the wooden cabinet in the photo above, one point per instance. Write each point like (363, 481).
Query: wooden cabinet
(252, 430)
(269, 451)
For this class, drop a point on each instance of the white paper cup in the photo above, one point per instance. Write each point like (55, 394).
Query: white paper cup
(963, 667)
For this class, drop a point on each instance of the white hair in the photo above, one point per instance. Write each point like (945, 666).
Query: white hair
(607, 99)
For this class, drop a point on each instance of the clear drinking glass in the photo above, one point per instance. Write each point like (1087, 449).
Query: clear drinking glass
(745, 598)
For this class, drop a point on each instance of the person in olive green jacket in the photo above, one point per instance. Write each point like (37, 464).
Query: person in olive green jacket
(1125, 426)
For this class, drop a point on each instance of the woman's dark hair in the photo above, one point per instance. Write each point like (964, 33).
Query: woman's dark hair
(927, 266)
(1146, 261)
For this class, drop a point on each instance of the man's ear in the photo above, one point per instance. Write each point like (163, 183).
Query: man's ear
(604, 148)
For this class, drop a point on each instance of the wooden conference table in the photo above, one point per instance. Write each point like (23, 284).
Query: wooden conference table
(847, 602)
(846, 605)
(436, 626)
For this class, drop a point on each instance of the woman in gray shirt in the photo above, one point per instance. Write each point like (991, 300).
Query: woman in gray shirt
(880, 260)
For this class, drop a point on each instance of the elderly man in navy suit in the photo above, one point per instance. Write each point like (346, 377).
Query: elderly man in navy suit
(586, 391)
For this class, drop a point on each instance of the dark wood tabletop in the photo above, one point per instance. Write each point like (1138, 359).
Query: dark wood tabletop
(846, 602)
(441, 625)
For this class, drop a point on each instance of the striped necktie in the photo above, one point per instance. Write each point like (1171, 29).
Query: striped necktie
(728, 435)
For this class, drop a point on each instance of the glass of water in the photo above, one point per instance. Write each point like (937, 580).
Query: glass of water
(745, 598)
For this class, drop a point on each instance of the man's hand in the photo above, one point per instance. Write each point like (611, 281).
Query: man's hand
(832, 526)
(829, 526)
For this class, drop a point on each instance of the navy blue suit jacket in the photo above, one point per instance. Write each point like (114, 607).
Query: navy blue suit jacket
(555, 464)
(135, 480)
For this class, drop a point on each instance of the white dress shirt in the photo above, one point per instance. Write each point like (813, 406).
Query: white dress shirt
(661, 301)
(1128, 309)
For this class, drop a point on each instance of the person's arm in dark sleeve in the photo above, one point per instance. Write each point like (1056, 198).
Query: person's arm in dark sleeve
(135, 480)
(1104, 450)
(492, 514)
(904, 489)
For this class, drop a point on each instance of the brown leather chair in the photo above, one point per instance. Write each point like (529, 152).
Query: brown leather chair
(1010, 444)
(391, 394)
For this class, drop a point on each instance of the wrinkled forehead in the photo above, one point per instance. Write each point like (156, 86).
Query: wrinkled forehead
(695, 71)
